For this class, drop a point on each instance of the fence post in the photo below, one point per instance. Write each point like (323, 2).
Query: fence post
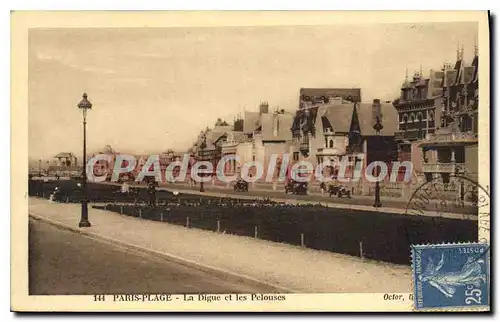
(140, 213)
(218, 225)
(161, 216)
(361, 250)
(256, 231)
(302, 240)
(121, 209)
(67, 199)
(187, 222)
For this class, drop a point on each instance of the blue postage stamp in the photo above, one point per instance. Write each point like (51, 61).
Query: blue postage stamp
(451, 276)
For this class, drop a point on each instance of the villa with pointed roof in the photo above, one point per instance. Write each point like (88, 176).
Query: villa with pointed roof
(335, 128)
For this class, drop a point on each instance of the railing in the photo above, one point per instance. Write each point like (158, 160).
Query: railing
(229, 147)
(453, 136)
(443, 167)
(304, 145)
(409, 135)
(332, 151)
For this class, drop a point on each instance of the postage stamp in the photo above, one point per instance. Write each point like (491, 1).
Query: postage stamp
(451, 276)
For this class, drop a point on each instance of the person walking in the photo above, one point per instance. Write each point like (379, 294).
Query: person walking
(124, 188)
(152, 194)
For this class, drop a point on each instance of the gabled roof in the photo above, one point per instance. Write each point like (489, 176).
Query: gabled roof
(250, 122)
(390, 120)
(338, 116)
(475, 63)
(325, 123)
(238, 136)
(276, 126)
(458, 68)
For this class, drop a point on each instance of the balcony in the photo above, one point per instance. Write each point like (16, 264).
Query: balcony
(229, 147)
(330, 151)
(452, 136)
(443, 167)
(410, 135)
(304, 145)
(450, 139)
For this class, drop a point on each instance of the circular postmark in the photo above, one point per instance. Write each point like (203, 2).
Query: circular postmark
(456, 194)
(455, 197)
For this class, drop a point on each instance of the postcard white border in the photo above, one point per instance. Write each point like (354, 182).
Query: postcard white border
(22, 21)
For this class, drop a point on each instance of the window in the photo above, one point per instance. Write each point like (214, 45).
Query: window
(405, 118)
(253, 157)
(296, 156)
(412, 117)
(331, 143)
(431, 116)
(419, 117)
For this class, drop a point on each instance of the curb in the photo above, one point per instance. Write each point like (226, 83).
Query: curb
(166, 256)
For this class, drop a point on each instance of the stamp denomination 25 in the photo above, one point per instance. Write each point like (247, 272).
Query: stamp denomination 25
(451, 276)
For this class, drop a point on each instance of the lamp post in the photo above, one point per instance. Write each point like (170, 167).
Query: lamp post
(84, 105)
(377, 127)
(203, 145)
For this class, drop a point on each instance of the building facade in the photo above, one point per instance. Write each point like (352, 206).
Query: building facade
(330, 128)
(418, 108)
(453, 148)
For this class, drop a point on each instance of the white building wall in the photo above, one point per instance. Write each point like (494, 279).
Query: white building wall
(244, 151)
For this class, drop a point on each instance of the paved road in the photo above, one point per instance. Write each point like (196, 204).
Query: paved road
(63, 262)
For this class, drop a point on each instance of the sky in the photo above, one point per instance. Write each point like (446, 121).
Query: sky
(154, 89)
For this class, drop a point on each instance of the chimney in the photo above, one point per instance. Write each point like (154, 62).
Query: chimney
(376, 111)
(238, 124)
(264, 108)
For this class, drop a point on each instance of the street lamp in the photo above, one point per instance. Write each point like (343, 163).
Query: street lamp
(84, 105)
(377, 127)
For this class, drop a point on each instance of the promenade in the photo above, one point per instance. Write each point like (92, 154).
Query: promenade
(283, 267)
(361, 203)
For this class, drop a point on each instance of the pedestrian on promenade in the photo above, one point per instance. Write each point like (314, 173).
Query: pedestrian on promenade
(152, 193)
(322, 186)
(124, 188)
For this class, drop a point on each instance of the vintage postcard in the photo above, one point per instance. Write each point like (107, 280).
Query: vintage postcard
(250, 161)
